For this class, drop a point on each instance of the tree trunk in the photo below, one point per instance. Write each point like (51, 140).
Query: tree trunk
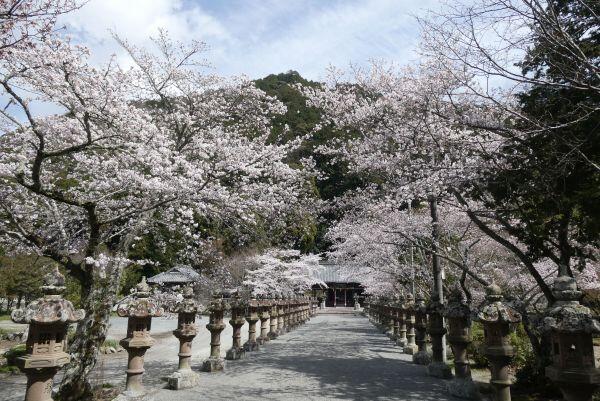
(98, 298)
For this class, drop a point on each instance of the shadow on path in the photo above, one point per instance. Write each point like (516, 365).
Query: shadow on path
(333, 357)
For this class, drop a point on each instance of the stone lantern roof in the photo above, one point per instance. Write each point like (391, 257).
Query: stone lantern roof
(188, 304)
(180, 274)
(139, 303)
(457, 305)
(496, 311)
(50, 308)
(567, 314)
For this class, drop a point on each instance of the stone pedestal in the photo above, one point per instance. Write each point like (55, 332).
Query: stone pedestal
(458, 314)
(280, 315)
(187, 329)
(394, 312)
(48, 318)
(422, 357)
(139, 308)
(252, 318)
(571, 328)
(274, 319)
(498, 320)
(286, 316)
(216, 309)
(238, 308)
(401, 340)
(265, 318)
(411, 347)
(438, 366)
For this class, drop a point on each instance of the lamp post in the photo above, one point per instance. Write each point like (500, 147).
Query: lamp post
(422, 357)
(438, 366)
(411, 347)
(215, 325)
(139, 309)
(48, 318)
(571, 327)
(498, 321)
(458, 314)
(186, 310)
(252, 319)
(238, 308)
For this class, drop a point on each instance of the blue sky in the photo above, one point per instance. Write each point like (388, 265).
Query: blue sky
(255, 37)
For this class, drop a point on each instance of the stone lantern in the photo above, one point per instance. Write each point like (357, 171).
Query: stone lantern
(458, 314)
(252, 319)
(280, 314)
(390, 321)
(238, 311)
(498, 321)
(438, 366)
(411, 347)
(48, 318)
(401, 315)
(394, 316)
(571, 328)
(139, 309)
(186, 310)
(216, 309)
(264, 316)
(274, 317)
(422, 357)
(286, 314)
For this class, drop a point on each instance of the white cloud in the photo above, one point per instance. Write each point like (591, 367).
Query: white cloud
(261, 37)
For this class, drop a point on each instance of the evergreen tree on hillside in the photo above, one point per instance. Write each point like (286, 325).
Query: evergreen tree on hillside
(301, 120)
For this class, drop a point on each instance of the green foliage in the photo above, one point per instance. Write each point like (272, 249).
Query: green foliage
(12, 354)
(110, 343)
(21, 276)
(301, 120)
(551, 186)
(518, 338)
(475, 349)
(591, 299)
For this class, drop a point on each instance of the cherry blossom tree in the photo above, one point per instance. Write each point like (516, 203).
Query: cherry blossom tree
(24, 22)
(405, 138)
(80, 186)
(282, 272)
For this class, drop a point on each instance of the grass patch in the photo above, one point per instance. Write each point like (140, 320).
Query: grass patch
(110, 343)
(4, 317)
(9, 369)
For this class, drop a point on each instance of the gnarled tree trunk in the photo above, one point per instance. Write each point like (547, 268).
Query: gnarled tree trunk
(98, 297)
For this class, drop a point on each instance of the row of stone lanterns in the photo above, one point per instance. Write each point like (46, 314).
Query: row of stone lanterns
(570, 325)
(497, 318)
(50, 316)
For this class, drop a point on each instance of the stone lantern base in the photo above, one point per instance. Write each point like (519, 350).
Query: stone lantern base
(251, 346)
(422, 358)
(234, 354)
(401, 342)
(463, 388)
(184, 378)
(440, 370)
(575, 384)
(213, 365)
(410, 349)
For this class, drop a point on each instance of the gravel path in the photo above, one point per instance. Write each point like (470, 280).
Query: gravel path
(332, 357)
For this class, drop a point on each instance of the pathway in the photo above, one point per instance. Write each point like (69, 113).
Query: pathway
(332, 357)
